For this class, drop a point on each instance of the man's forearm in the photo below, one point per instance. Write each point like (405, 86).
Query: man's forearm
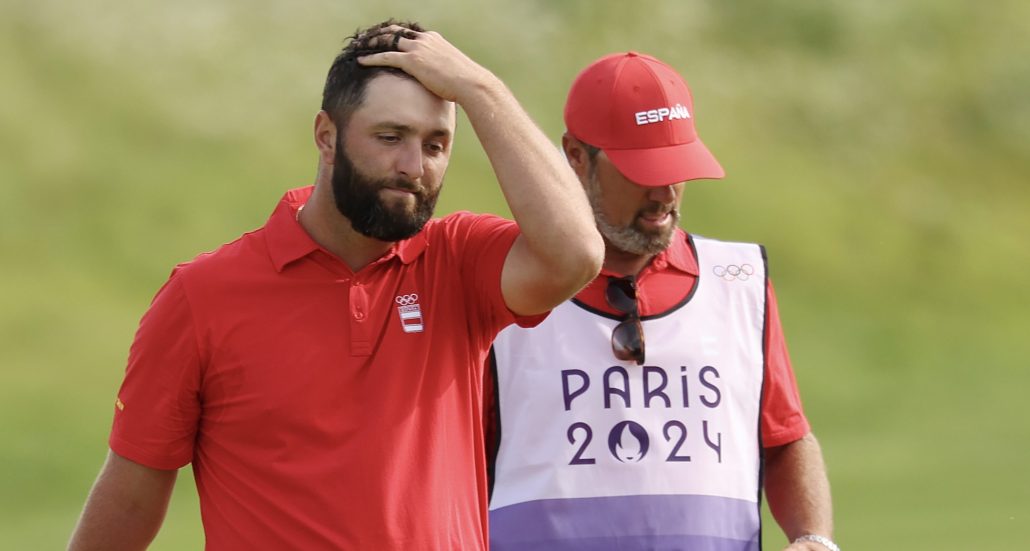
(125, 508)
(542, 192)
(797, 488)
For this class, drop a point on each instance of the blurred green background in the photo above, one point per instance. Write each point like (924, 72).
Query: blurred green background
(879, 149)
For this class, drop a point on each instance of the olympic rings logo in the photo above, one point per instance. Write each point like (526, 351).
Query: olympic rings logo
(406, 300)
(731, 272)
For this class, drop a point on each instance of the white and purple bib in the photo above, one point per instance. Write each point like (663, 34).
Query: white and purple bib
(596, 453)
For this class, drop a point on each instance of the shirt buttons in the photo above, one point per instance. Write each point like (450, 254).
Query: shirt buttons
(358, 302)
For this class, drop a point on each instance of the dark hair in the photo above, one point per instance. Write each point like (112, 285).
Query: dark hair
(345, 85)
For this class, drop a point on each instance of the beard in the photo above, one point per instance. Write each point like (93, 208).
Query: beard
(357, 198)
(630, 238)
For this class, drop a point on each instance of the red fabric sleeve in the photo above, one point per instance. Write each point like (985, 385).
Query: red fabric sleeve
(487, 242)
(783, 420)
(158, 405)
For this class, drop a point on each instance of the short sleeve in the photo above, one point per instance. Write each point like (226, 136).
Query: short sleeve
(783, 420)
(487, 242)
(158, 404)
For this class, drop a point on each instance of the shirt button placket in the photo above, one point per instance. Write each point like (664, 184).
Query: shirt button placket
(360, 332)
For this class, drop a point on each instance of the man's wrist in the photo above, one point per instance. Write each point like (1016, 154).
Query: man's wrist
(821, 540)
(484, 87)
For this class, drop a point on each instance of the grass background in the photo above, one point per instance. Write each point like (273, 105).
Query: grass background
(879, 149)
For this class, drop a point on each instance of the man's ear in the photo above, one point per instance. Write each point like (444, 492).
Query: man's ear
(325, 138)
(576, 155)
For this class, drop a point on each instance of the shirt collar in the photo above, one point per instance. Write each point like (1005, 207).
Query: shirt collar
(678, 255)
(288, 241)
(410, 249)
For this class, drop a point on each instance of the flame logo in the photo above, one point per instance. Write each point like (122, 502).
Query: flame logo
(628, 442)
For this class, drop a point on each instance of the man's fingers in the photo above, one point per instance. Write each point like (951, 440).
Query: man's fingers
(397, 39)
(391, 37)
(426, 56)
(390, 59)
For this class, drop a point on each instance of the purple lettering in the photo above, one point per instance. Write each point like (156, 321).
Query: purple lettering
(707, 371)
(609, 390)
(685, 386)
(568, 396)
(717, 446)
(658, 391)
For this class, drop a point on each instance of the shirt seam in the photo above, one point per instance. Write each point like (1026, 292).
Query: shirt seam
(201, 359)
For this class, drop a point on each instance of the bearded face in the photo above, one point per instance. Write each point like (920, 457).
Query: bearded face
(358, 197)
(632, 237)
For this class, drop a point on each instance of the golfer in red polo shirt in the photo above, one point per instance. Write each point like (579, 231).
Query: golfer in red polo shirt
(323, 373)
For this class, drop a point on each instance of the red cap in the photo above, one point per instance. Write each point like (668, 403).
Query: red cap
(639, 111)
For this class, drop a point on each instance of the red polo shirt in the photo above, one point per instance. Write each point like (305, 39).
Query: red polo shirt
(323, 408)
(665, 282)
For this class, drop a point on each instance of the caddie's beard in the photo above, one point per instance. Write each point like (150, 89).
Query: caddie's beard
(630, 238)
(357, 197)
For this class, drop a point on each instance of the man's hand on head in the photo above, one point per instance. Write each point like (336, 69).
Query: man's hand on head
(442, 68)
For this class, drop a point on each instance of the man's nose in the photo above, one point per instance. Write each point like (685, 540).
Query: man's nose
(662, 194)
(410, 161)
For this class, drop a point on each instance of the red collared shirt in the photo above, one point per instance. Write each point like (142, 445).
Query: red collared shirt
(323, 408)
(665, 282)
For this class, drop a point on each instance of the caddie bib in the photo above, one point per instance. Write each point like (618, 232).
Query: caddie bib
(596, 453)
